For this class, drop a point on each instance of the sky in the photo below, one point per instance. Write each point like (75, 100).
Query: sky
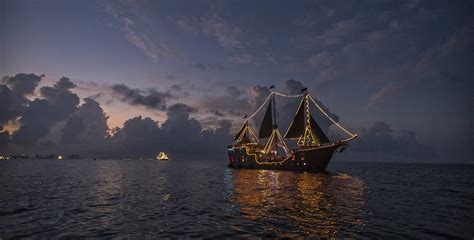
(398, 73)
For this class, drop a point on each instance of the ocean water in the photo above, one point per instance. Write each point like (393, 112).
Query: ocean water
(204, 199)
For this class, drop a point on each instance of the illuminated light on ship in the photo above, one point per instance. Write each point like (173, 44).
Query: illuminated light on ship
(162, 157)
(314, 149)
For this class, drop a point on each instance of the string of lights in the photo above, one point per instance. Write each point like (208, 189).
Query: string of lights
(352, 135)
(290, 96)
(332, 120)
(261, 106)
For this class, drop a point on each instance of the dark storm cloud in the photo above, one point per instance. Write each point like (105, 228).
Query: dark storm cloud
(177, 88)
(226, 105)
(13, 95)
(216, 112)
(22, 83)
(382, 139)
(71, 131)
(63, 126)
(4, 136)
(150, 98)
(180, 110)
(139, 137)
(87, 125)
(85, 129)
(234, 91)
(180, 133)
(8, 111)
(228, 101)
(41, 114)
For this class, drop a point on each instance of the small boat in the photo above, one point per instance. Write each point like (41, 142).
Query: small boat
(60, 157)
(269, 150)
(162, 157)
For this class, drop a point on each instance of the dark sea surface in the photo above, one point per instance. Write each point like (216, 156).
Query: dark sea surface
(183, 199)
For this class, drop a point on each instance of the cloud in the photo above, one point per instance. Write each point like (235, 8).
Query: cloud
(85, 131)
(4, 136)
(151, 98)
(382, 139)
(200, 66)
(377, 98)
(177, 88)
(139, 137)
(234, 91)
(342, 31)
(23, 84)
(57, 123)
(385, 49)
(179, 134)
(216, 112)
(141, 40)
(13, 95)
(205, 67)
(134, 32)
(229, 101)
(320, 60)
(257, 94)
(226, 34)
(243, 58)
(41, 114)
(87, 125)
(292, 87)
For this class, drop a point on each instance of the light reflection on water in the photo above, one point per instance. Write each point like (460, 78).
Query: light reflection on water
(290, 204)
(196, 199)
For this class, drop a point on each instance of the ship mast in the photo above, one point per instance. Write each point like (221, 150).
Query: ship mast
(303, 128)
(269, 129)
(275, 125)
(307, 138)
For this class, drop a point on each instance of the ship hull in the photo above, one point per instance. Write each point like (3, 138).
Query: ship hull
(310, 159)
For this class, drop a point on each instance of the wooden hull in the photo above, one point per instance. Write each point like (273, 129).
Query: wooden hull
(310, 159)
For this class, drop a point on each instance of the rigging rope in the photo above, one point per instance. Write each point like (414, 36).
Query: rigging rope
(264, 102)
(285, 95)
(352, 136)
(332, 120)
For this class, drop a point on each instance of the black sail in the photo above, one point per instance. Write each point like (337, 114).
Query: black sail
(297, 127)
(245, 138)
(242, 129)
(317, 131)
(266, 127)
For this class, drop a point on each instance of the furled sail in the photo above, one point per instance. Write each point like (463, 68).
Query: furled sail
(317, 131)
(297, 127)
(266, 127)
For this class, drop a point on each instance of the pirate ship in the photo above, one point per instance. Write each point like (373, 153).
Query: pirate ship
(162, 157)
(313, 149)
